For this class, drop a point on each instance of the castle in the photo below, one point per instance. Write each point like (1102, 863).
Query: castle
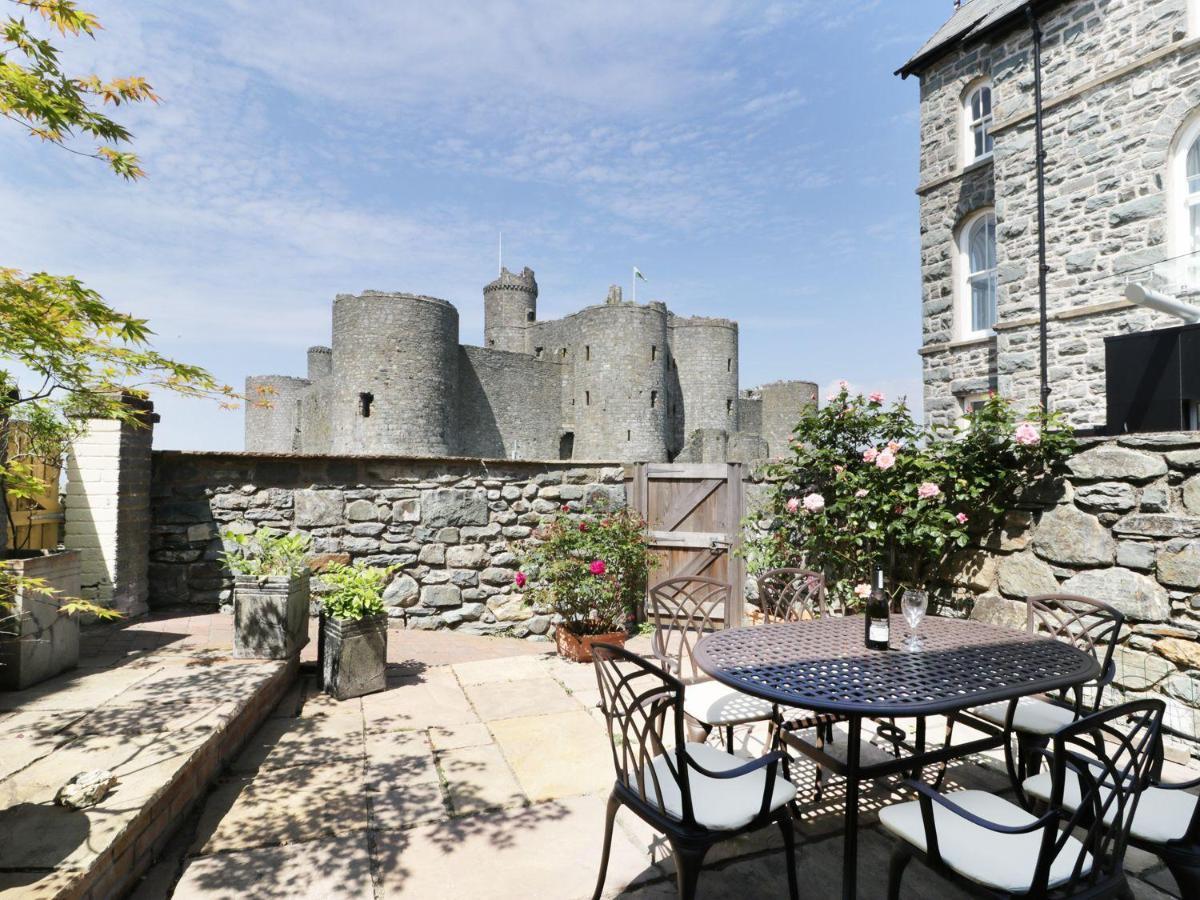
(615, 381)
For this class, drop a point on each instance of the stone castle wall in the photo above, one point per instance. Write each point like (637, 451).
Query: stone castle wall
(612, 381)
(453, 526)
(1120, 77)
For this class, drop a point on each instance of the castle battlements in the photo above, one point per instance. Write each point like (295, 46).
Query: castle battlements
(615, 381)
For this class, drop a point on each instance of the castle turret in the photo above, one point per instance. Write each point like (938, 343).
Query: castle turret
(620, 383)
(509, 306)
(273, 415)
(320, 363)
(395, 374)
(705, 352)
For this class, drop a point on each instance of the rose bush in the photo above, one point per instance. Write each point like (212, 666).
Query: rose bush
(863, 484)
(589, 568)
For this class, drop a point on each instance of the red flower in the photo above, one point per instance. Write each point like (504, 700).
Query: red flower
(583, 526)
(520, 580)
(565, 508)
(597, 567)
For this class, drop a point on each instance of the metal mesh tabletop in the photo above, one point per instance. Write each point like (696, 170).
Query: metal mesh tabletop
(822, 665)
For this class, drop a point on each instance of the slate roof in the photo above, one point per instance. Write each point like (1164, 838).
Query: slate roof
(969, 20)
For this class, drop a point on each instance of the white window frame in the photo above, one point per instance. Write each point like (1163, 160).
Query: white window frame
(1180, 240)
(970, 123)
(1193, 18)
(963, 306)
(966, 403)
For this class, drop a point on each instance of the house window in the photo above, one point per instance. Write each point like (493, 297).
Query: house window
(587, 351)
(1184, 218)
(653, 352)
(977, 112)
(970, 403)
(729, 407)
(537, 351)
(587, 398)
(653, 399)
(364, 404)
(729, 364)
(977, 257)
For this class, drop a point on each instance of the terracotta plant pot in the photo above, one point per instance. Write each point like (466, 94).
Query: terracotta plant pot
(579, 649)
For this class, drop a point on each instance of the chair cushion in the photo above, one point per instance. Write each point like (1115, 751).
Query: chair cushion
(1162, 814)
(713, 703)
(1002, 861)
(719, 804)
(1033, 716)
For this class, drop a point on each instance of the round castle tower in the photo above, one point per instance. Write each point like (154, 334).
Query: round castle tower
(395, 374)
(620, 383)
(320, 363)
(272, 418)
(706, 356)
(509, 305)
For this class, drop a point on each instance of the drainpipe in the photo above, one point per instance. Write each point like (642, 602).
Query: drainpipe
(1040, 158)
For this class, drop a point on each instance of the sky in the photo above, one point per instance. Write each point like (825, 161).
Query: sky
(756, 160)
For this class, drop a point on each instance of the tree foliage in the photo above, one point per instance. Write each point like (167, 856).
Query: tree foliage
(865, 485)
(65, 352)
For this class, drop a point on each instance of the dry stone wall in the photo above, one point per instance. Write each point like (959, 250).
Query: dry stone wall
(452, 526)
(1123, 527)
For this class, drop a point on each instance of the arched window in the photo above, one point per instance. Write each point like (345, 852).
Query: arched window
(1185, 193)
(977, 258)
(977, 118)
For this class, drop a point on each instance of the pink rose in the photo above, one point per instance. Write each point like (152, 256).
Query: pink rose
(928, 490)
(1027, 435)
(520, 580)
(962, 518)
(793, 504)
(597, 567)
(893, 446)
(876, 397)
(814, 503)
(860, 493)
(886, 459)
(869, 455)
(839, 469)
(843, 385)
(862, 591)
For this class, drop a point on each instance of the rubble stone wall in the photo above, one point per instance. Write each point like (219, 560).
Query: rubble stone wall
(452, 526)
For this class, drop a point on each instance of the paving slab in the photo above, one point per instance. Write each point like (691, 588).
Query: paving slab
(28, 736)
(510, 669)
(453, 737)
(78, 689)
(546, 850)
(402, 782)
(479, 778)
(303, 742)
(433, 698)
(38, 885)
(316, 870)
(278, 806)
(514, 699)
(579, 763)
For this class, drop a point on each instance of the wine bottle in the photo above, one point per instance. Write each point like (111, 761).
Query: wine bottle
(878, 626)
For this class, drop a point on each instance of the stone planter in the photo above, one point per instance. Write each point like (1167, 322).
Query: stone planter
(353, 656)
(39, 641)
(270, 616)
(579, 649)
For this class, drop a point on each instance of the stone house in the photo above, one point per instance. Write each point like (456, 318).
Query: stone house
(1121, 124)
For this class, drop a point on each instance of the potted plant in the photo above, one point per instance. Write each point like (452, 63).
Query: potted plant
(270, 593)
(590, 570)
(353, 631)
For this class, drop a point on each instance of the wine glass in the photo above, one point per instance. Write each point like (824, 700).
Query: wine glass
(913, 604)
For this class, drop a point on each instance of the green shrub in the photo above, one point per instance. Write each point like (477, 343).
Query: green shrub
(266, 553)
(357, 591)
(865, 485)
(590, 569)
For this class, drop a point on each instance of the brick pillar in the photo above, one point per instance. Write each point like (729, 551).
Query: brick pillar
(108, 508)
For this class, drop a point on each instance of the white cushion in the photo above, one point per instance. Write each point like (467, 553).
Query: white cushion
(716, 704)
(1033, 716)
(1162, 815)
(720, 804)
(991, 858)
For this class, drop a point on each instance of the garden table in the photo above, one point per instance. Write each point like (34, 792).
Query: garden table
(822, 665)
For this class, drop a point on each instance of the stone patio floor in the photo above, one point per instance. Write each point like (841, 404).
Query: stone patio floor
(482, 771)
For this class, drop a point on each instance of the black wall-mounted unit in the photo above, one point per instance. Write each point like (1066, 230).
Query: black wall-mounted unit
(1152, 380)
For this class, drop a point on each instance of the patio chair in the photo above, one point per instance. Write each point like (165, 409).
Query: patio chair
(997, 849)
(683, 610)
(1166, 823)
(796, 595)
(1088, 624)
(695, 794)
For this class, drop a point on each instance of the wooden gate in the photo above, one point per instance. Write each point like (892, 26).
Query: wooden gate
(34, 522)
(693, 513)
